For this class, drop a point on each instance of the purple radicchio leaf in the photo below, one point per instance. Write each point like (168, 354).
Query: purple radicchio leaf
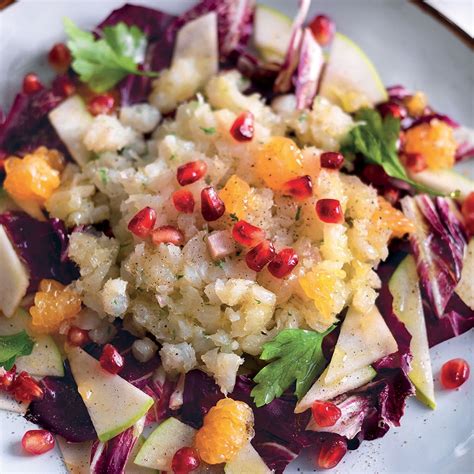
(465, 138)
(438, 244)
(398, 92)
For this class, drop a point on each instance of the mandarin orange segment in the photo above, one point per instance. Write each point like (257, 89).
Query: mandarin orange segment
(387, 216)
(235, 195)
(34, 177)
(416, 104)
(435, 141)
(227, 428)
(54, 303)
(278, 161)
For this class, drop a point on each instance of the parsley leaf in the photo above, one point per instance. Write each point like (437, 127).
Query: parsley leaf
(376, 139)
(14, 346)
(102, 63)
(208, 130)
(296, 355)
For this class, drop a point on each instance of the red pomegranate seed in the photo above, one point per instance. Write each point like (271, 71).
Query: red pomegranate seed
(191, 172)
(185, 460)
(283, 263)
(37, 441)
(64, 86)
(7, 379)
(325, 413)
(101, 104)
(415, 162)
(212, 206)
(31, 84)
(467, 210)
(331, 452)
(332, 160)
(374, 174)
(323, 29)
(77, 336)
(300, 188)
(329, 211)
(25, 388)
(392, 195)
(260, 255)
(454, 373)
(59, 57)
(167, 234)
(393, 109)
(143, 222)
(111, 360)
(243, 127)
(247, 234)
(183, 201)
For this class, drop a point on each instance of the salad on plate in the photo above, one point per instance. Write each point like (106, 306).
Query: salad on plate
(224, 240)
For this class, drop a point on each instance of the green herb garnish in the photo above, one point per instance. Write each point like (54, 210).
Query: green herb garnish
(14, 346)
(233, 217)
(104, 175)
(208, 130)
(298, 213)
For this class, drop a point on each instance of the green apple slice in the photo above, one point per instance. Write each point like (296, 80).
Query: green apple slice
(407, 305)
(45, 358)
(158, 450)
(445, 181)
(14, 278)
(272, 33)
(71, 120)
(364, 338)
(76, 456)
(8, 403)
(350, 79)
(323, 391)
(131, 467)
(247, 460)
(465, 288)
(113, 403)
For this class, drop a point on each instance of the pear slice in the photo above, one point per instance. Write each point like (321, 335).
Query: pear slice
(407, 305)
(465, 288)
(158, 450)
(14, 278)
(323, 391)
(364, 338)
(350, 79)
(76, 456)
(247, 460)
(113, 403)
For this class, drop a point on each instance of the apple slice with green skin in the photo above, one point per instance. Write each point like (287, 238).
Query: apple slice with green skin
(14, 278)
(350, 74)
(71, 120)
(247, 460)
(465, 288)
(408, 307)
(364, 338)
(113, 403)
(45, 358)
(272, 33)
(322, 391)
(131, 467)
(160, 447)
(76, 456)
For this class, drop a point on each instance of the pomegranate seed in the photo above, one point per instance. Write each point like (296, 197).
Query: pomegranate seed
(323, 29)
(329, 211)
(260, 255)
(454, 373)
(183, 201)
(37, 441)
(243, 127)
(25, 388)
(77, 336)
(392, 195)
(300, 188)
(374, 174)
(393, 109)
(467, 210)
(283, 263)
(31, 84)
(7, 378)
(247, 234)
(415, 162)
(167, 234)
(59, 57)
(331, 452)
(332, 160)
(111, 360)
(64, 86)
(143, 222)
(101, 104)
(212, 206)
(185, 460)
(191, 172)
(325, 413)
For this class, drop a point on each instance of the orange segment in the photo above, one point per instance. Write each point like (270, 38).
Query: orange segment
(235, 195)
(387, 216)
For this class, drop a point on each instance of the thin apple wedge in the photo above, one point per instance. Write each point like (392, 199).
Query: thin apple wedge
(247, 460)
(465, 288)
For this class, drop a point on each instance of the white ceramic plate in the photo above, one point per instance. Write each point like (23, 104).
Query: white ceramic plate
(408, 47)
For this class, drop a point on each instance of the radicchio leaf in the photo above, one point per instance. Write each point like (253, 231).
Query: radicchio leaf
(438, 245)
(465, 139)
